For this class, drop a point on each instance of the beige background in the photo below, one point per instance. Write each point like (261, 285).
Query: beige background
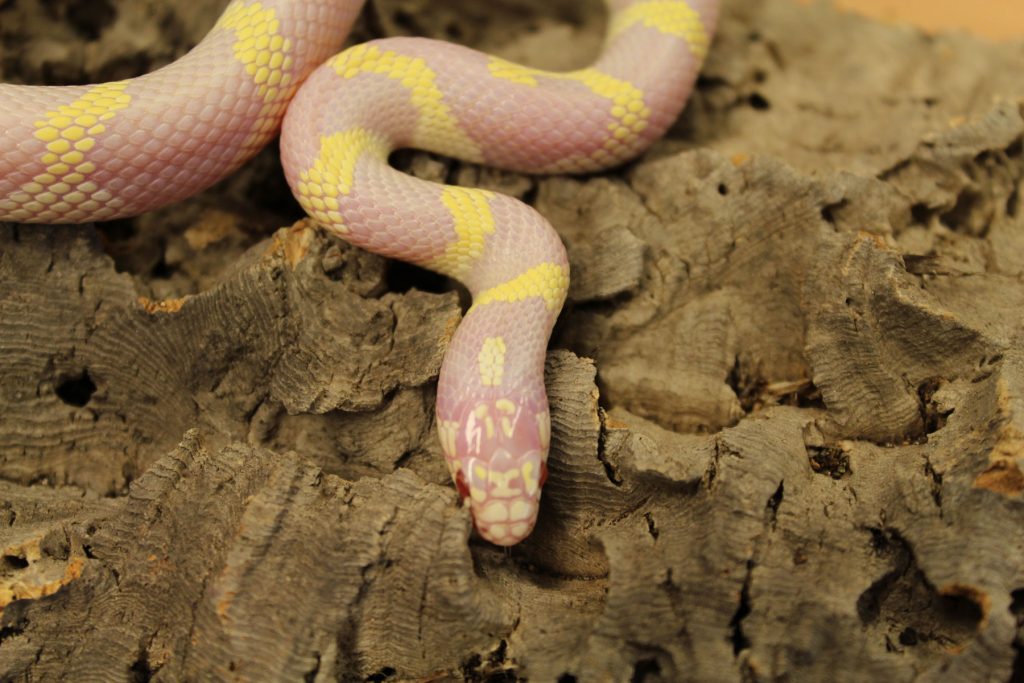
(996, 19)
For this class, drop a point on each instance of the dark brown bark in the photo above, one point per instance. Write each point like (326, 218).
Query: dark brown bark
(796, 454)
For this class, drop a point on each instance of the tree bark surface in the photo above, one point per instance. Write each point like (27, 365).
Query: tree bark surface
(787, 390)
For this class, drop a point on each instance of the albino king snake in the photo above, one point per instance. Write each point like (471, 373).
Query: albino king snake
(74, 154)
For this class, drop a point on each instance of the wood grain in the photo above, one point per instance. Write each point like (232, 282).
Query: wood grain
(787, 393)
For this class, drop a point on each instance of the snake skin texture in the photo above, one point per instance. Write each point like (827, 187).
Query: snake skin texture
(76, 154)
(73, 154)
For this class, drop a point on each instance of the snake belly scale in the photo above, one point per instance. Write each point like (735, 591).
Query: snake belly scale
(73, 154)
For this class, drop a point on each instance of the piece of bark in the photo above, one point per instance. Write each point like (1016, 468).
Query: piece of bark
(98, 380)
(796, 454)
(245, 563)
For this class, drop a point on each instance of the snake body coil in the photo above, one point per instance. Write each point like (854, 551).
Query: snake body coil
(77, 154)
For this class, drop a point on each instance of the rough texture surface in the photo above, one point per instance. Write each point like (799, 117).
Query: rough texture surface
(796, 454)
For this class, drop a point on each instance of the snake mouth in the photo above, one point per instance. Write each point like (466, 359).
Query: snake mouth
(503, 494)
(505, 521)
(511, 531)
(496, 450)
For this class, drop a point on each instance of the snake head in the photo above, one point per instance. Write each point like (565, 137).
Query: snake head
(496, 451)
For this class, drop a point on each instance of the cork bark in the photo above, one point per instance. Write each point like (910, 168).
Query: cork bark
(787, 390)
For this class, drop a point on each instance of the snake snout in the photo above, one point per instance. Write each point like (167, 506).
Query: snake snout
(504, 494)
(499, 465)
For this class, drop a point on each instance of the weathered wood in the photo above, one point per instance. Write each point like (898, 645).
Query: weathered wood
(796, 454)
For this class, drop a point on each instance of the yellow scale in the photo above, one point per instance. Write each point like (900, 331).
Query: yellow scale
(265, 53)
(69, 133)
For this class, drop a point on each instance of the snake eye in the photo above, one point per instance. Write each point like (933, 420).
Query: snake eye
(461, 485)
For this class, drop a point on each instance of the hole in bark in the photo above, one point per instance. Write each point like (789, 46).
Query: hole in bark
(472, 666)
(610, 470)
(961, 612)
(806, 396)
(932, 418)
(403, 459)
(401, 277)
(11, 562)
(968, 215)
(310, 675)
(8, 631)
(746, 384)
(829, 460)
(1017, 610)
(42, 480)
(453, 31)
(903, 608)
(921, 214)
(385, 673)
(652, 528)
(881, 543)
(404, 20)
(708, 82)
(530, 196)
(76, 391)
(498, 656)
(140, 671)
(567, 678)
(1013, 204)
(119, 229)
(473, 670)
(1017, 605)
(828, 212)
(771, 508)
(984, 368)
(90, 18)
(981, 377)
(908, 636)
(644, 668)
(740, 641)
(936, 483)
(758, 102)
(723, 189)
(161, 271)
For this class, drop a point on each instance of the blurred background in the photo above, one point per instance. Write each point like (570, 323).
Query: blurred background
(993, 19)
